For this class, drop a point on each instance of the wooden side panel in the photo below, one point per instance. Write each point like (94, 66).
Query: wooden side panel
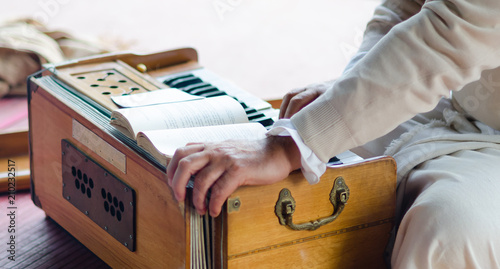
(275, 103)
(346, 250)
(160, 227)
(255, 234)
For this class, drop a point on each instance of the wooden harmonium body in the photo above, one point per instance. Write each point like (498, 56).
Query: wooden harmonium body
(113, 197)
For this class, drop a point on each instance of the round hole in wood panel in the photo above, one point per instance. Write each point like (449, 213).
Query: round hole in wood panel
(105, 93)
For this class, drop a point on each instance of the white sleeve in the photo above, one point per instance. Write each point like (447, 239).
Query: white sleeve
(443, 47)
(384, 18)
(312, 167)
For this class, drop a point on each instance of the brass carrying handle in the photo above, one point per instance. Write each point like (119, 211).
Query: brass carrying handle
(285, 207)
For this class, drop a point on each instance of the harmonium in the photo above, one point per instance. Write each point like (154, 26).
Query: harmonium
(112, 195)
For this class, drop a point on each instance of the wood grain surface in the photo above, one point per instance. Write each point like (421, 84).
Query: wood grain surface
(40, 242)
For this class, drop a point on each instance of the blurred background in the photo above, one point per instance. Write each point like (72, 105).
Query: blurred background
(266, 47)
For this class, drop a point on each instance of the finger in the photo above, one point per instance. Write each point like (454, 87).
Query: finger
(187, 167)
(220, 191)
(178, 155)
(194, 143)
(204, 179)
(299, 101)
(286, 100)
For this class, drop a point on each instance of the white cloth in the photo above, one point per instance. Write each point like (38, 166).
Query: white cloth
(448, 184)
(481, 98)
(442, 132)
(453, 218)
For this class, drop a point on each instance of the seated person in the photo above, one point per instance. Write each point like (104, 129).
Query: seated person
(394, 99)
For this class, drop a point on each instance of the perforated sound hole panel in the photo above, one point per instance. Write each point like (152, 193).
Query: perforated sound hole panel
(109, 82)
(99, 195)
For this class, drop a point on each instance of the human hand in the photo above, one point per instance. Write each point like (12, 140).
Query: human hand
(223, 167)
(296, 99)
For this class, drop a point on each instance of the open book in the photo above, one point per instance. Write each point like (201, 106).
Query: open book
(162, 128)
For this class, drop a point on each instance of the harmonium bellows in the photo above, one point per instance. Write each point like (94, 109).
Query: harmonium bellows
(112, 195)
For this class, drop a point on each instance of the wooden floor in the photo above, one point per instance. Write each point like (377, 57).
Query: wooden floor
(39, 241)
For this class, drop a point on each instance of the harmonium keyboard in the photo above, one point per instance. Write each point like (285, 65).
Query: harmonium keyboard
(112, 195)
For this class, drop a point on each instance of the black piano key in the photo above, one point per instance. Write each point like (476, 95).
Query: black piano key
(266, 122)
(171, 80)
(195, 86)
(183, 82)
(241, 103)
(253, 116)
(250, 110)
(204, 90)
(213, 94)
(334, 160)
(195, 89)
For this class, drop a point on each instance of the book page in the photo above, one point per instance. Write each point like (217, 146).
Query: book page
(206, 112)
(160, 96)
(165, 142)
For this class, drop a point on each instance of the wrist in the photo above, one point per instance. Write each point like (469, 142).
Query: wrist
(287, 148)
(297, 153)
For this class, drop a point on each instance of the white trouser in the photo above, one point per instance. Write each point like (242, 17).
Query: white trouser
(451, 205)
(453, 220)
